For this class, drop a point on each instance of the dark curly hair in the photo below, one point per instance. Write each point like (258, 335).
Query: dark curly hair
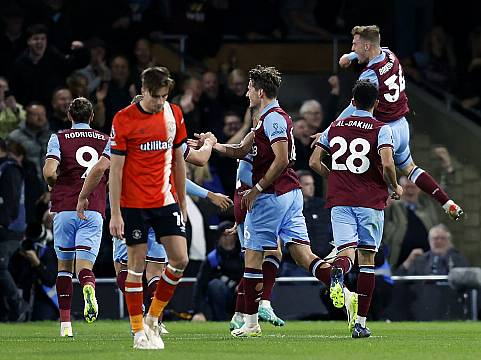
(365, 94)
(81, 110)
(267, 78)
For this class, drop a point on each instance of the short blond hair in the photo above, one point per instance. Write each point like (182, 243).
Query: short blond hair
(368, 32)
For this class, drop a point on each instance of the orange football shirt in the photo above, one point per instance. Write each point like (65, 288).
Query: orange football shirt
(147, 141)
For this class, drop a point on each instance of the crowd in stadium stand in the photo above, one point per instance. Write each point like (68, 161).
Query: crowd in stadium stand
(53, 52)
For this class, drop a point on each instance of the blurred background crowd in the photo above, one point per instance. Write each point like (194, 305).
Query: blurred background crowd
(55, 50)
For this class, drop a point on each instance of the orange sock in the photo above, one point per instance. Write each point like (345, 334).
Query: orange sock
(134, 299)
(165, 289)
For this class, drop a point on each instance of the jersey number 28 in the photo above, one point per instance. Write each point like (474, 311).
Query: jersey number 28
(357, 167)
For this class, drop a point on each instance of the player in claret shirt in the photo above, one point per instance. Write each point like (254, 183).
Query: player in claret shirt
(361, 149)
(384, 70)
(274, 204)
(71, 154)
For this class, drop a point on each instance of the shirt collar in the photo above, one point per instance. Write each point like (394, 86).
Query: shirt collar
(274, 103)
(377, 59)
(82, 126)
(362, 113)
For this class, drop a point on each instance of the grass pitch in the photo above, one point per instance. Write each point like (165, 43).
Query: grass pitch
(297, 340)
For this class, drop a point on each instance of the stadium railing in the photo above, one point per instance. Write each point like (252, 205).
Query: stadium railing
(441, 280)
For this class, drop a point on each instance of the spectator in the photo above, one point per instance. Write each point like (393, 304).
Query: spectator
(472, 83)
(236, 92)
(61, 100)
(36, 196)
(318, 222)
(302, 141)
(143, 60)
(12, 39)
(189, 102)
(12, 227)
(218, 277)
(33, 134)
(11, 113)
(120, 91)
(35, 265)
(211, 103)
(40, 69)
(56, 17)
(439, 260)
(437, 61)
(78, 85)
(300, 21)
(312, 111)
(407, 222)
(97, 71)
(232, 125)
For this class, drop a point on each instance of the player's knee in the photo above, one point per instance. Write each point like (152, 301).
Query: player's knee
(179, 262)
(366, 257)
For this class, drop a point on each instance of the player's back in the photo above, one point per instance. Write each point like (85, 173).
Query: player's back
(80, 149)
(393, 101)
(356, 177)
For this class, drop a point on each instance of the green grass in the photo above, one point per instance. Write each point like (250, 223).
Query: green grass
(297, 340)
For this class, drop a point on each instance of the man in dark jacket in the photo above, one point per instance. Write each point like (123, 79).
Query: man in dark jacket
(12, 226)
(218, 277)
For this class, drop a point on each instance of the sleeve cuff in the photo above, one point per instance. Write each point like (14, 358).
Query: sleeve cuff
(118, 152)
(52, 156)
(382, 146)
(176, 145)
(322, 146)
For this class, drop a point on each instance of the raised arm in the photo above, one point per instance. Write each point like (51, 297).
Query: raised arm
(200, 157)
(236, 151)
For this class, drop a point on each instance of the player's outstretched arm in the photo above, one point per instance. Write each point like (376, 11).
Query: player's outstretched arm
(201, 156)
(115, 186)
(91, 181)
(50, 171)
(236, 151)
(220, 200)
(281, 160)
(179, 180)
(389, 172)
(316, 164)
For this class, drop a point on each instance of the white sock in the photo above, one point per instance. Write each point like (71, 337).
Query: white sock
(251, 320)
(138, 334)
(238, 314)
(361, 320)
(447, 204)
(265, 303)
(150, 320)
